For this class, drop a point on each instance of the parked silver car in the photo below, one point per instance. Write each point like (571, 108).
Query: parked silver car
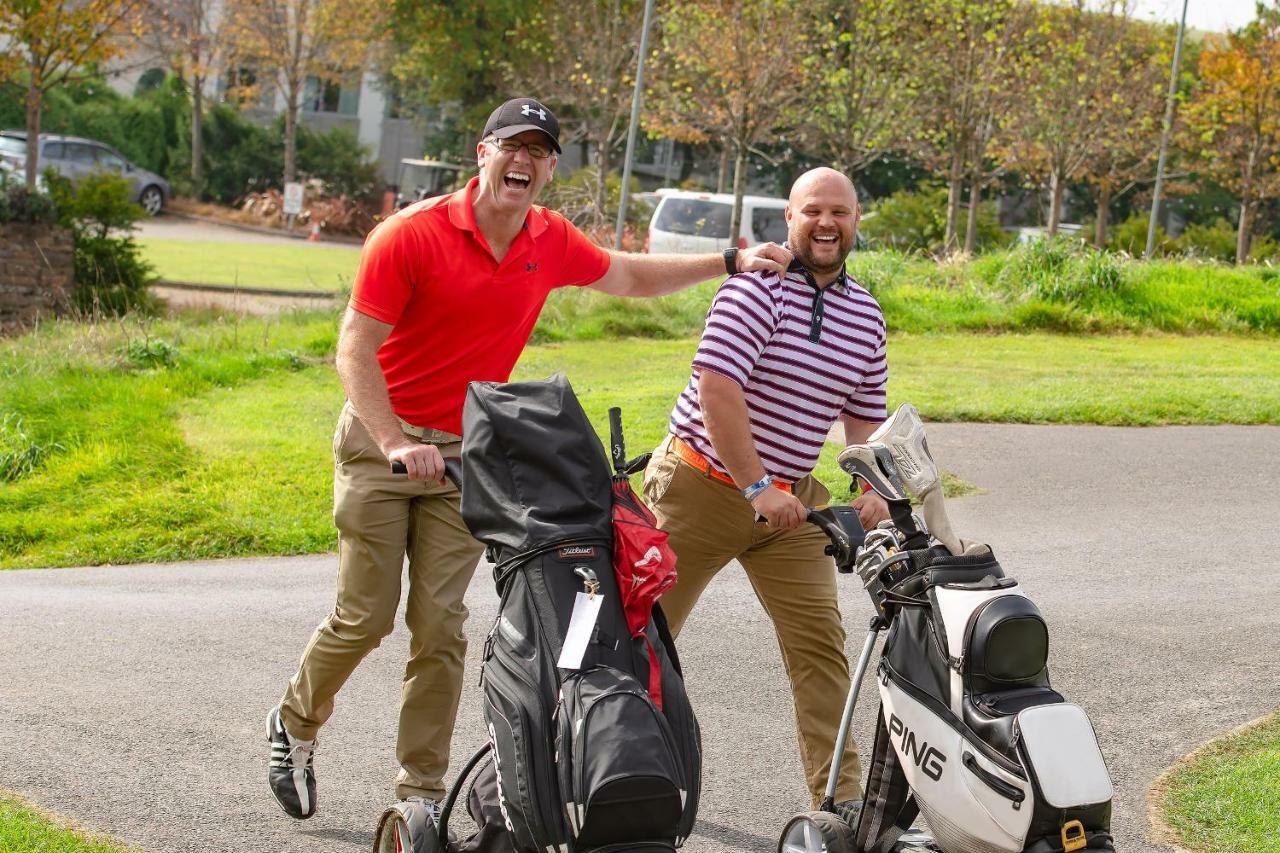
(75, 157)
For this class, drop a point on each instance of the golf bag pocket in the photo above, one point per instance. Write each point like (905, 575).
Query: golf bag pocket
(619, 770)
(1059, 747)
(974, 798)
(518, 715)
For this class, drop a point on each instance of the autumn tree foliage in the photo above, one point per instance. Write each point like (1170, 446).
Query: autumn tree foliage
(971, 54)
(1071, 86)
(456, 58)
(53, 42)
(190, 35)
(857, 83)
(582, 54)
(286, 43)
(727, 72)
(1233, 117)
(1128, 114)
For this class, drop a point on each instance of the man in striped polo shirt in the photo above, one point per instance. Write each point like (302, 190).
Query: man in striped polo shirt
(782, 359)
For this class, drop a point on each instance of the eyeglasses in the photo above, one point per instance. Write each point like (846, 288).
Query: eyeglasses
(511, 146)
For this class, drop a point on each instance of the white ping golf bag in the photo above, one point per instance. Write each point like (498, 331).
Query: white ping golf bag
(970, 733)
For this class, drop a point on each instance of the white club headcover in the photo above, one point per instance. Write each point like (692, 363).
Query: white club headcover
(875, 465)
(903, 435)
(902, 440)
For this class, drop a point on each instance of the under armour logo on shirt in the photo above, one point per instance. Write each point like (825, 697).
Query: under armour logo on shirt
(528, 110)
(530, 267)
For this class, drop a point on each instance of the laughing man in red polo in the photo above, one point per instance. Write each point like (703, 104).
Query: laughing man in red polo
(447, 292)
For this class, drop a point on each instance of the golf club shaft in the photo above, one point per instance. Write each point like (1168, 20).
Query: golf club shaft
(936, 519)
(842, 736)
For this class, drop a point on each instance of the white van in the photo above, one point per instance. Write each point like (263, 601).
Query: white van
(696, 223)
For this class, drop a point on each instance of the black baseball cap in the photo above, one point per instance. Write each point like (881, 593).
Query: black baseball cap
(520, 114)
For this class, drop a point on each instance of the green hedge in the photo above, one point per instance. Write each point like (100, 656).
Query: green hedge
(153, 130)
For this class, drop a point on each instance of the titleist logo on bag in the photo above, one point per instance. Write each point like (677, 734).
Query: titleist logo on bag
(576, 552)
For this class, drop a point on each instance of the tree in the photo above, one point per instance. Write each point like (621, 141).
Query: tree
(454, 59)
(584, 54)
(1128, 114)
(297, 43)
(57, 42)
(727, 71)
(1234, 116)
(189, 33)
(857, 83)
(1091, 87)
(965, 91)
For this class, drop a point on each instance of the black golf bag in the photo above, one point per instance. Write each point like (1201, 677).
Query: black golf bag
(584, 759)
(970, 731)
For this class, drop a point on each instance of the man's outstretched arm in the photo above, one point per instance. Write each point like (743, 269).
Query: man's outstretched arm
(632, 274)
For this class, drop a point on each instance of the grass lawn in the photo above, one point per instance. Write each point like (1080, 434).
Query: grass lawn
(304, 266)
(25, 830)
(1043, 287)
(1227, 798)
(207, 437)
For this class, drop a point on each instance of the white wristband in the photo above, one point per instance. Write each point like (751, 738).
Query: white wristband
(757, 488)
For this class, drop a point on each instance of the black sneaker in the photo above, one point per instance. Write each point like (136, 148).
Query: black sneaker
(290, 773)
(848, 811)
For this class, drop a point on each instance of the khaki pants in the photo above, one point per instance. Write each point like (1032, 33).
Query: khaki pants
(710, 524)
(381, 517)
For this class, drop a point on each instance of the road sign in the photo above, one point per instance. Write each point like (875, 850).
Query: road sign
(292, 199)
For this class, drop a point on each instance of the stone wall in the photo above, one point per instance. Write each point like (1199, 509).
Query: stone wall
(36, 272)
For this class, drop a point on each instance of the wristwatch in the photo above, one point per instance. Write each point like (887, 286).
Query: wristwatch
(731, 261)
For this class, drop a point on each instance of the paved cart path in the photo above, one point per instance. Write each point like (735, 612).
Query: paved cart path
(132, 698)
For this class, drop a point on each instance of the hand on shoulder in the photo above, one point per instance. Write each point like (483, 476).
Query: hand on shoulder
(767, 257)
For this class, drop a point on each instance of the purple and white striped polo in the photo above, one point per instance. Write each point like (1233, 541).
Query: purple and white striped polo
(758, 335)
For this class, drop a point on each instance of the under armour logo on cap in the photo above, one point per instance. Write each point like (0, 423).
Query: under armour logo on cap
(521, 114)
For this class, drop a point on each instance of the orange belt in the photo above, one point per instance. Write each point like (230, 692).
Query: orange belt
(692, 457)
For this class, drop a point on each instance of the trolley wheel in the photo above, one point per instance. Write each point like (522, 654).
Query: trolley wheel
(406, 827)
(816, 832)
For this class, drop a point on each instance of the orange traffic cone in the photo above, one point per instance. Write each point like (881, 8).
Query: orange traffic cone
(315, 232)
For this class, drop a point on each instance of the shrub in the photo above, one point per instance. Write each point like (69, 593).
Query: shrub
(1130, 236)
(1264, 248)
(1060, 271)
(153, 130)
(339, 162)
(148, 352)
(110, 274)
(239, 157)
(18, 204)
(1216, 240)
(917, 222)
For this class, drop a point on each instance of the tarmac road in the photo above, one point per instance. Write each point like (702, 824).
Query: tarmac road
(132, 698)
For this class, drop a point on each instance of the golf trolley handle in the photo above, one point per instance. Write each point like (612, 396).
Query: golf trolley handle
(843, 528)
(452, 470)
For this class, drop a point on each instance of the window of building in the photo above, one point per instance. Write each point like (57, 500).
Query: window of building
(330, 96)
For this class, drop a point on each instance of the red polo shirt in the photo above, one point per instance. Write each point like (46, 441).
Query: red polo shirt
(458, 314)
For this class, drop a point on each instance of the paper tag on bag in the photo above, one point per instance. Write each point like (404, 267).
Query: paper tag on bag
(586, 608)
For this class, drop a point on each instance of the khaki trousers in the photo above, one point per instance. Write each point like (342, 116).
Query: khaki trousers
(381, 517)
(710, 524)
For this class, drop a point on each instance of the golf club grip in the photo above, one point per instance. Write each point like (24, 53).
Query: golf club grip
(617, 450)
(452, 470)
